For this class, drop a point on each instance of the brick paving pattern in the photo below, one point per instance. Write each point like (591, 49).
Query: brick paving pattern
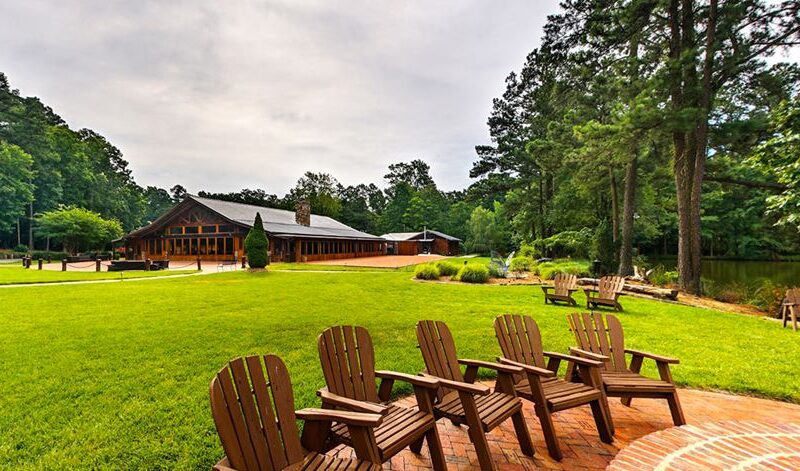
(583, 450)
(732, 444)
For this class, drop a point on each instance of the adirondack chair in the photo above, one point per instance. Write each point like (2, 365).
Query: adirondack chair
(608, 291)
(521, 344)
(465, 403)
(348, 364)
(790, 307)
(259, 433)
(604, 341)
(564, 285)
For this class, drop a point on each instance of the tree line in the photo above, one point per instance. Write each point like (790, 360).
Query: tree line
(647, 119)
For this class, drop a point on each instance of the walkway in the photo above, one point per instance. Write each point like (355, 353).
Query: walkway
(582, 448)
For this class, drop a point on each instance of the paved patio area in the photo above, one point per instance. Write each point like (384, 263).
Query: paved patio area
(582, 448)
(384, 261)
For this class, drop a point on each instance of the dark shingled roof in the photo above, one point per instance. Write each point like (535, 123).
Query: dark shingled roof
(400, 236)
(277, 222)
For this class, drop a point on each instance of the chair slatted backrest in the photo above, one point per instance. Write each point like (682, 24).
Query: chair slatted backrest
(564, 282)
(792, 296)
(254, 414)
(348, 362)
(610, 286)
(604, 337)
(438, 352)
(520, 339)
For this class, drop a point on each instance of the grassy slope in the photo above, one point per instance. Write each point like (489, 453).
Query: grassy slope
(117, 375)
(16, 274)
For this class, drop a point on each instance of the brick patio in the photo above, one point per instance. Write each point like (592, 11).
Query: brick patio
(582, 448)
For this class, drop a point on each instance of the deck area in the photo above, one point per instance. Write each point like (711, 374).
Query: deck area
(583, 450)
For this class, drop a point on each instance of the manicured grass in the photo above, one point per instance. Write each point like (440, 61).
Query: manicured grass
(17, 275)
(116, 375)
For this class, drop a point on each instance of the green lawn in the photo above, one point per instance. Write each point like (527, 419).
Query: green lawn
(14, 274)
(116, 375)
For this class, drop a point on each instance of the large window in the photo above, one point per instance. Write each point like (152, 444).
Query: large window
(209, 229)
(176, 230)
(191, 230)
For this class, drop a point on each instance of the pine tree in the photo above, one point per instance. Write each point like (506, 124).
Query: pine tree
(256, 245)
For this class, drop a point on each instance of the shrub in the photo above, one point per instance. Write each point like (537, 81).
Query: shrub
(530, 251)
(604, 248)
(21, 248)
(495, 271)
(446, 268)
(662, 277)
(768, 296)
(548, 270)
(474, 273)
(256, 245)
(520, 264)
(44, 255)
(427, 271)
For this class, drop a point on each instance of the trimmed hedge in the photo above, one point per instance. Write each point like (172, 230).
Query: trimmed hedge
(473, 273)
(427, 271)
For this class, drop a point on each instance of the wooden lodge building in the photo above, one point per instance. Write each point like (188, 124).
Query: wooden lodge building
(425, 242)
(214, 230)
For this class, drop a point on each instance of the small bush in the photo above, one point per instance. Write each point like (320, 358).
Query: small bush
(446, 268)
(494, 271)
(427, 271)
(530, 251)
(548, 270)
(520, 264)
(21, 248)
(44, 255)
(474, 273)
(662, 277)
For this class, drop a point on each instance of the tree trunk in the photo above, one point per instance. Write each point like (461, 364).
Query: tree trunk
(628, 211)
(614, 205)
(19, 233)
(30, 227)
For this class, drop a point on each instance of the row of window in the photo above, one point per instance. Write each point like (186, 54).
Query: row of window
(210, 229)
(325, 247)
(194, 246)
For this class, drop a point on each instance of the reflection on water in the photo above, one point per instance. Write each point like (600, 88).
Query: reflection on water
(727, 271)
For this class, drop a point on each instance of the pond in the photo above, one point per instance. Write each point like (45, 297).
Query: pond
(744, 271)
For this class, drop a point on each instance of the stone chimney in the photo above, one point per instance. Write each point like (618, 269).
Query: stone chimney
(302, 213)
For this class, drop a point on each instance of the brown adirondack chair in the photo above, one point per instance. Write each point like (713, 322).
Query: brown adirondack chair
(604, 341)
(790, 307)
(521, 344)
(256, 422)
(348, 364)
(465, 403)
(607, 293)
(564, 285)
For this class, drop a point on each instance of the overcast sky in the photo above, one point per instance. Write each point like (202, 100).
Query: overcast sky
(227, 95)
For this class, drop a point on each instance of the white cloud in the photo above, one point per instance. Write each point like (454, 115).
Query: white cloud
(226, 95)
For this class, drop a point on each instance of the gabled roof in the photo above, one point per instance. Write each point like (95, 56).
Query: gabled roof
(277, 222)
(400, 236)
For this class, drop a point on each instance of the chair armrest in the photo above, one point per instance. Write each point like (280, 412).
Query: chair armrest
(652, 356)
(350, 404)
(422, 381)
(491, 366)
(586, 354)
(573, 359)
(590, 289)
(345, 417)
(528, 368)
(476, 389)
(547, 288)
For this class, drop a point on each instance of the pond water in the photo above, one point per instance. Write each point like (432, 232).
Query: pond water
(744, 271)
